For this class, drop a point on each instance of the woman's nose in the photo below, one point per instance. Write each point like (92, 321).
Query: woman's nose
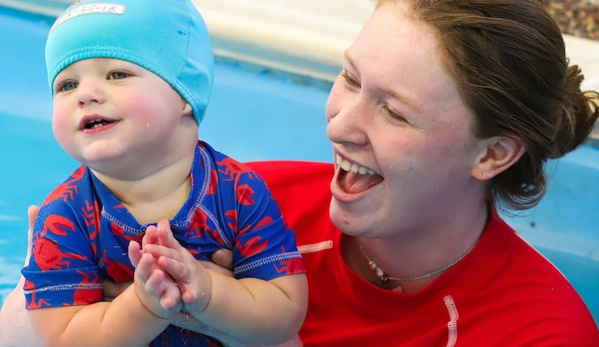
(347, 120)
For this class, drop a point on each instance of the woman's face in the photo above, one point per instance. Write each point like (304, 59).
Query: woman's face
(395, 117)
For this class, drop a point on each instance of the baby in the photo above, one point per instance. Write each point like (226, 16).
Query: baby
(130, 81)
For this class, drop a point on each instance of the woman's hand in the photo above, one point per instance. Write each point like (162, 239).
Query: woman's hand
(32, 212)
(223, 262)
(15, 327)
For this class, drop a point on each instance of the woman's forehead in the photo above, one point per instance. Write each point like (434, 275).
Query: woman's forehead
(400, 56)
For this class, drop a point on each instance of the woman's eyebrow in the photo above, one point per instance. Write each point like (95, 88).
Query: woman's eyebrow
(395, 94)
(349, 59)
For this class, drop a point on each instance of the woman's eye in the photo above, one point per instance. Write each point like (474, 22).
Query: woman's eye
(348, 79)
(117, 75)
(395, 115)
(66, 86)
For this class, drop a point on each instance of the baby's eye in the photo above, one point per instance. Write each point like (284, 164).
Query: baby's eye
(117, 75)
(66, 86)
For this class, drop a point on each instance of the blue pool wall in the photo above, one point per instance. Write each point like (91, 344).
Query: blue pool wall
(254, 114)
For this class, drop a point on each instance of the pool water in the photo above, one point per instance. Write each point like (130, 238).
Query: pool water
(254, 114)
(584, 274)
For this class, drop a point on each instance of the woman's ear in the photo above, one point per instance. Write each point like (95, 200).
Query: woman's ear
(497, 155)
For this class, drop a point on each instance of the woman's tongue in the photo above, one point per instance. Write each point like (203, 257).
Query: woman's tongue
(354, 183)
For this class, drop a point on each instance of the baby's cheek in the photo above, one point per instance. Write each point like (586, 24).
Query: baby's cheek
(59, 125)
(63, 130)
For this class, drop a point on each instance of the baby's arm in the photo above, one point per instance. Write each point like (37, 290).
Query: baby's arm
(250, 310)
(125, 321)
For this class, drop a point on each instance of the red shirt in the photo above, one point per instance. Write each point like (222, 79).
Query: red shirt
(504, 293)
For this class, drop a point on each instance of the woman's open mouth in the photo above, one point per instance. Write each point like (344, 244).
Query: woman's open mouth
(354, 178)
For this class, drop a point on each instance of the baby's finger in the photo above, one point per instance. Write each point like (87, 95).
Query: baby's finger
(176, 269)
(158, 251)
(144, 268)
(170, 296)
(134, 253)
(155, 283)
(150, 237)
(165, 235)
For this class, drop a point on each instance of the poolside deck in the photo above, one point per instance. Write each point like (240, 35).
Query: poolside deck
(320, 31)
(308, 37)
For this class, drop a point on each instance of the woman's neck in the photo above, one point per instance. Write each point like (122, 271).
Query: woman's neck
(412, 264)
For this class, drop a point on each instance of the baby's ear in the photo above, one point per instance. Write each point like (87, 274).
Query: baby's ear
(186, 109)
(496, 156)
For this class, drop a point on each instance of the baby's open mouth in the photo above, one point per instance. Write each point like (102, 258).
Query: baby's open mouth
(96, 123)
(353, 178)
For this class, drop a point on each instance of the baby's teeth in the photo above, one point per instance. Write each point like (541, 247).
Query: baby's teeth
(363, 170)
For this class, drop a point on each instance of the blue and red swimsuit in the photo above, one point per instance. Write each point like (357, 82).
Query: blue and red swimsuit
(82, 233)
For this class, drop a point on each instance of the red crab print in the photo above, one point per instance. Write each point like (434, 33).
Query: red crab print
(213, 182)
(92, 221)
(66, 190)
(47, 254)
(254, 245)
(232, 167)
(34, 304)
(117, 271)
(85, 296)
(232, 214)
(245, 194)
(199, 223)
(289, 266)
(118, 229)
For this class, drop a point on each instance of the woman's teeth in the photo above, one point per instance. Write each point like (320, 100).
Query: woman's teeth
(353, 167)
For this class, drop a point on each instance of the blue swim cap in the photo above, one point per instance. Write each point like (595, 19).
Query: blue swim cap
(167, 37)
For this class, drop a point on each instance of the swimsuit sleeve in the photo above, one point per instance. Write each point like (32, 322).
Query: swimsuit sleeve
(62, 270)
(264, 244)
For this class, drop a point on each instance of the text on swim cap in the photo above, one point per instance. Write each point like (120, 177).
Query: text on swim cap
(81, 10)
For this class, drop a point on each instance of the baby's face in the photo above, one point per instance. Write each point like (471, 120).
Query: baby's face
(111, 114)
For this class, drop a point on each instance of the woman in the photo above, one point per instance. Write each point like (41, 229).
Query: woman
(445, 111)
